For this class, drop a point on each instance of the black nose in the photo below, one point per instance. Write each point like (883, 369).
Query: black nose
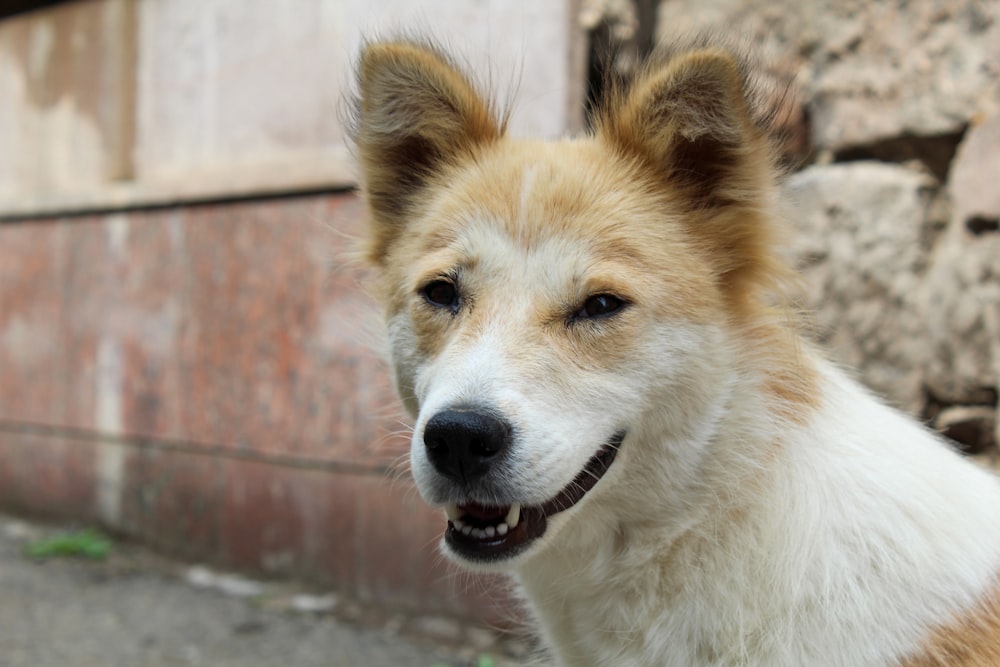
(463, 444)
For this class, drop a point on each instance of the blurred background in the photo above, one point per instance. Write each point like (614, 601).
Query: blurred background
(186, 349)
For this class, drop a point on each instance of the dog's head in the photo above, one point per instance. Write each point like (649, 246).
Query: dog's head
(552, 307)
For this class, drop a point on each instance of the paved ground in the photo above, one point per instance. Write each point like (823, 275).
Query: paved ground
(135, 609)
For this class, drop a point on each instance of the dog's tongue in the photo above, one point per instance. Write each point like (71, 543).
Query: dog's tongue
(482, 513)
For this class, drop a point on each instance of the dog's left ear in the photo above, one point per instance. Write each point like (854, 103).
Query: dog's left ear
(416, 112)
(693, 120)
(690, 119)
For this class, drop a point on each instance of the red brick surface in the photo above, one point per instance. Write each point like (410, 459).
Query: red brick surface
(225, 349)
(240, 325)
(33, 355)
(45, 475)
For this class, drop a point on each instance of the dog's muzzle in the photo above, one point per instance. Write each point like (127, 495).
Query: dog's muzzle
(463, 445)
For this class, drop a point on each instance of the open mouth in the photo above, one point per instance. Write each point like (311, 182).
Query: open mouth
(483, 533)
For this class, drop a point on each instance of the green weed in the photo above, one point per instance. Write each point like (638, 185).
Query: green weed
(481, 661)
(89, 543)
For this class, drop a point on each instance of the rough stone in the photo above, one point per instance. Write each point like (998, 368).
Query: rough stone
(229, 584)
(870, 71)
(439, 627)
(914, 307)
(960, 298)
(905, 280)
(970, 426)
(862, 234)
(314, 604)
(975, 173)
(906, 68)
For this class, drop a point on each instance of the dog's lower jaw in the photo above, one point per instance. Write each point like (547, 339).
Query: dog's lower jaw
(494, 546)
(479, 535)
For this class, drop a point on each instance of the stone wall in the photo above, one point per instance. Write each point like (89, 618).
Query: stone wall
(894, 199)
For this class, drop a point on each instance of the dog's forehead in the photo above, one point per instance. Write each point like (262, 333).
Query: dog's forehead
(556, 201)
(560, 220)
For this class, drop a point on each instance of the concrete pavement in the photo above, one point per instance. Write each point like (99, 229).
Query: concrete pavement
(136, 609)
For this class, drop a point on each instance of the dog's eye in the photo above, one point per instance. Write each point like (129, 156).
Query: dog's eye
(600, 305)
(441, 293)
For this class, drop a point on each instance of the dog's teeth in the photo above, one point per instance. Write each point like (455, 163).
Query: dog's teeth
(513, 516)
(499, 529)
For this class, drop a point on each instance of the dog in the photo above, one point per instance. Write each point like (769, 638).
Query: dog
(613, 402)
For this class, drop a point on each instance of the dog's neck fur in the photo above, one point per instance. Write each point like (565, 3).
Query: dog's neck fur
(771, 573)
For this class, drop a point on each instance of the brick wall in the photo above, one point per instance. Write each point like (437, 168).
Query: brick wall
(202, 378)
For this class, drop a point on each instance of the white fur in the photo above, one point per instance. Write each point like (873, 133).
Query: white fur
(864, 534)
(723, 534)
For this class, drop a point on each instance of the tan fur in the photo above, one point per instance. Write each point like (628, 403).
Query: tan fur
(419, 112)
(972, 640)
(689, 120)
(709, 162)
(691, 123)
(657, 269)
(682, 138)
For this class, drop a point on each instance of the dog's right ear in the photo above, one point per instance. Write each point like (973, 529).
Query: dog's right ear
(416, 112)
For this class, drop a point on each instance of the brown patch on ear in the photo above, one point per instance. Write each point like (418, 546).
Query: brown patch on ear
(972, 640)
(415, 113)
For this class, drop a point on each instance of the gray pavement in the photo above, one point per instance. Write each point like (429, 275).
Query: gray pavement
(135, 609)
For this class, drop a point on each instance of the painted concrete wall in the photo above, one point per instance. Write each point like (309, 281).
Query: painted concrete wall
(121, 102)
